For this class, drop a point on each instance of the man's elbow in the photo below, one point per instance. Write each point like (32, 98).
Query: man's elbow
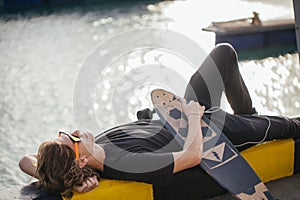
(28, 165)
(22, 163)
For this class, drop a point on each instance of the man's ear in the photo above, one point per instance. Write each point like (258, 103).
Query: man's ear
(82, 161)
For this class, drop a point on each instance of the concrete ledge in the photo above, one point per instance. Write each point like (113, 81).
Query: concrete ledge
(271, 160)
(117, 190)
(297, 156)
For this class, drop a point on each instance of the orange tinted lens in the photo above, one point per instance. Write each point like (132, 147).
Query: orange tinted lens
(75, 140)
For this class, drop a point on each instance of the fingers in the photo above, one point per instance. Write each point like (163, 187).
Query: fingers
(193, 107)
(88, 185)
(80, 188)
(92, 183)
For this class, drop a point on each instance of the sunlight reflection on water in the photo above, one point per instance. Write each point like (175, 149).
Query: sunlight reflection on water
(274, 84)
(42, 52)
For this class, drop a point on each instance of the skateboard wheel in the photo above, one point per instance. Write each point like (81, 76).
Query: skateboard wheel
(144, 114)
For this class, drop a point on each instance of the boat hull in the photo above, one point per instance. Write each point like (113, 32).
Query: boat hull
(258, 40)
(271, 38)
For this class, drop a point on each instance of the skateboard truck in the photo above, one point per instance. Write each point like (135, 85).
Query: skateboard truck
(146, 113)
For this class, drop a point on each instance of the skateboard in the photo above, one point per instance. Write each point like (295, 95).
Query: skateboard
(220, 159)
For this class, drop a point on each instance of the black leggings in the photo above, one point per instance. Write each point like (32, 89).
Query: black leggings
(220, 73)
(240, 128)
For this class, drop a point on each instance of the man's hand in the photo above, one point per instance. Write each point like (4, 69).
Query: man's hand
(192, 108)
(87, 185)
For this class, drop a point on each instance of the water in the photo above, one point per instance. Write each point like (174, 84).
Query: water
(42, 52)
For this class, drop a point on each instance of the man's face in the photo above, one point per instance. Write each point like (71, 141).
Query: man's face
(85, 146)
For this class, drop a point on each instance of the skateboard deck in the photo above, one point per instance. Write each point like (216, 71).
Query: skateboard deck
(220, 159)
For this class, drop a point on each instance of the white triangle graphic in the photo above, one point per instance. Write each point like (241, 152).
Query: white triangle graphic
(216, 153)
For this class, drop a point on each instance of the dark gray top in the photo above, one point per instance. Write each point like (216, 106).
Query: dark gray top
(139, 151)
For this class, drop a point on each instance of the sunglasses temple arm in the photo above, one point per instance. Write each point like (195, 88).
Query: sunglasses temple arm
(76, 151)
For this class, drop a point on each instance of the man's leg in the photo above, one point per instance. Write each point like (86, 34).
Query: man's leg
(219, 72)
(240, 129)
(245, 131)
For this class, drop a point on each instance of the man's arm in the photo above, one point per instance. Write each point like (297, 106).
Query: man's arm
(191, 154)
(28, 164)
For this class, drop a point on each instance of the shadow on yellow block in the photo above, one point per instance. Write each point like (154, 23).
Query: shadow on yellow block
(270, 160)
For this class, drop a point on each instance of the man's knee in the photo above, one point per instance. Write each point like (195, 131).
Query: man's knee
(226, 50)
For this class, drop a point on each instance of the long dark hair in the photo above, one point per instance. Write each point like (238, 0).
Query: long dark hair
(58, 170)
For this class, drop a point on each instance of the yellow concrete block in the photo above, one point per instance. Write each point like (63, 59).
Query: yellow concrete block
(117, 190)
(272, 160)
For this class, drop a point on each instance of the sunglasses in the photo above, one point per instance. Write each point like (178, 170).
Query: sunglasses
(74, 139)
